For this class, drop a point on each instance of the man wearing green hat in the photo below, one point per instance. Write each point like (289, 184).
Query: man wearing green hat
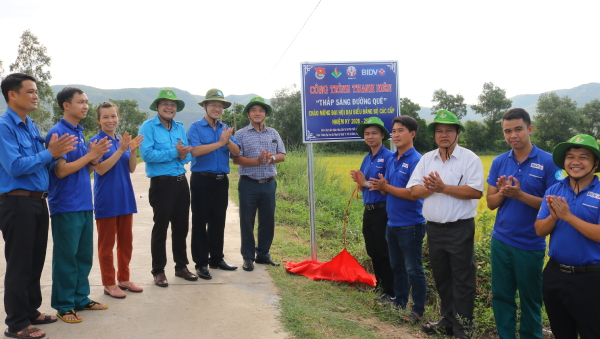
(570, 214)
(212, 144)
(165, 150)
(261, 148)
(450, 180)
(375, 217)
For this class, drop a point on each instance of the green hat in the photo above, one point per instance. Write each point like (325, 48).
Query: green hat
(372, 121)
(167, 94)
(580, 140)
(443, 117)
(214, 94)
(258, 101)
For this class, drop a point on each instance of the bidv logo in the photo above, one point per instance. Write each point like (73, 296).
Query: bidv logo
(372, 72)
(320, 72)
(559, 175)
(538, 166)
(594, 195)
(380, 160)
(405, 165)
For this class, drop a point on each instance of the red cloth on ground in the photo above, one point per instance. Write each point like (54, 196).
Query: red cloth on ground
(343, 267)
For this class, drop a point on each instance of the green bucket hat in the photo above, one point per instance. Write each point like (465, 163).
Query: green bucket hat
(167, 94)
(444, 117)
(214, 94)
(258, 101)
(580, 140)
(372, 121)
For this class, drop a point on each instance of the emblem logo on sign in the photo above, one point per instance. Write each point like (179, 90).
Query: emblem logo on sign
(335, 73)
(381, 72)
(559, 175)
(320, 72)
(538, 166)
(351, 71)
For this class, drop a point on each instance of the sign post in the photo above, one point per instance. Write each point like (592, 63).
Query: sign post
(337, 97)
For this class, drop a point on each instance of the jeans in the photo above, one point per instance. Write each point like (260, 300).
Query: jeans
(254, 196)
(405, 244)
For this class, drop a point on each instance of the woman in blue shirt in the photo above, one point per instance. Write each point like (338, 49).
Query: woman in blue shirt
(114, 202)
(570, 215)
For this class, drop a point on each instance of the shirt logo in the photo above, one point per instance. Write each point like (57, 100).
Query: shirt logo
(380, 160)
(538, 166)
(594, 195)
(559, 175)
(405, 165)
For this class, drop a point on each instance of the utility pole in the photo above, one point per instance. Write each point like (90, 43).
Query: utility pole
(234, 118)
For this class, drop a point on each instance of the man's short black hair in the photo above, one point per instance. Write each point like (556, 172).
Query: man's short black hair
(517, 113)
(14, 82)
(66, 95)
(408, 122)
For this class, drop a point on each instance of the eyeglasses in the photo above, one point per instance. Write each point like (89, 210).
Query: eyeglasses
(168, 104)
(217, 106)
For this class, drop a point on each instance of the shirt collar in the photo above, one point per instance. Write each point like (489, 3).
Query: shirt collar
(16, 118)
(456, 153)
(381, 149)
(101, 134)
(532, 154)
(567, 183)
(203, 122)
(407, 153)
(79, 128)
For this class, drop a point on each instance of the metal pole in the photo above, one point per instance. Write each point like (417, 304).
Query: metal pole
(234, 119)
(311, 199)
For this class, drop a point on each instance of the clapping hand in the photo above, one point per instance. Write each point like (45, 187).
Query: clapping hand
(433, 183)
(183, 151)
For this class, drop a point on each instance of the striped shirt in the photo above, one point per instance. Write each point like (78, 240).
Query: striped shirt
(252, 143)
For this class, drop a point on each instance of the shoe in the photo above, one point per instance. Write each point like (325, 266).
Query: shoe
(47, 320)
(161, 280)
(69, 312)
(203, 273)
(385, 300)
(25, 333)
(133, 287)
(248, 265)
(91, 304)
(437, 328)
(186, 274)
(266, 261)
(115, 293)
(223, 265)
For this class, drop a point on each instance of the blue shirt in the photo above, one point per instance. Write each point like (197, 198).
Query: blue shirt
(567, 245)
(402, 212)
(217, 161)
(113, 191)
(158, 148)
(23, 158)
(371, 167)
(253, 142)
(72, 193)
(515, 219)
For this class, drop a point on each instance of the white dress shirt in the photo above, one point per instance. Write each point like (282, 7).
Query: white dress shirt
(463, 168)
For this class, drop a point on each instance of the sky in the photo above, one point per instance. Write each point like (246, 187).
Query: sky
(524, 47)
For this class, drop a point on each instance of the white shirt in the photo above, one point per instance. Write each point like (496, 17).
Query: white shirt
(463, 168)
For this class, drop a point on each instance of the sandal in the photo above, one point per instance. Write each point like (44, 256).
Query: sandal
(133, 287)
(91, 304)
(436, 328)
(47, 320)
(25, 333)
(412, 318)
(69, 312)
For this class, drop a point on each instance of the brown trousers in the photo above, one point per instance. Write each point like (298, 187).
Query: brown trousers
(121, 227)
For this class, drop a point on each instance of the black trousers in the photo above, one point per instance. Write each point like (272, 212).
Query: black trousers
(170, 201)
(24, 224)
(572, 303)
(209, 209)
(374, 229)
(452, 258)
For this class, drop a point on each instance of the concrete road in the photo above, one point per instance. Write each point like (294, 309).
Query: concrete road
(234, 304)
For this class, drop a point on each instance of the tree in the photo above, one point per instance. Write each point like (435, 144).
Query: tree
(1, 71)
(286, 117)
(422, 142)
(31, 60)
(241, 119)
(557, 119)
(455, 104)
(131, 118)
(475, 136)
(590, 114)
(492, 104)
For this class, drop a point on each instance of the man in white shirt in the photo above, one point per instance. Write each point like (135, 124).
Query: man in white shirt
(450, 180)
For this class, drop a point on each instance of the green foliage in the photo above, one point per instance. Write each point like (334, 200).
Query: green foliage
(1, 71)
(131, 118)
(557, 120)
(32, 59)
(422, 143)
(287, 116)
(492, 104)
(453, 103)
(590, 114)
(474, 136)
(241, 119)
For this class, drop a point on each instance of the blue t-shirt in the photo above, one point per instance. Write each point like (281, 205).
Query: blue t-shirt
(217, 161)
(72, 193)
(567, 245)
(515, 219)
(24, 161)
(371, 167)
(402, 212)
(158, 148)
(113, 191)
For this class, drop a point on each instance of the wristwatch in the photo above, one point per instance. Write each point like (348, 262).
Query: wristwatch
(274, 158)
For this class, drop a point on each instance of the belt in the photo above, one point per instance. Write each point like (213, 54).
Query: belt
(173, 178)
(26, 193)
(260, 181)
(448, 224)
(212, 175)
(574, 269)
(375, 206)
